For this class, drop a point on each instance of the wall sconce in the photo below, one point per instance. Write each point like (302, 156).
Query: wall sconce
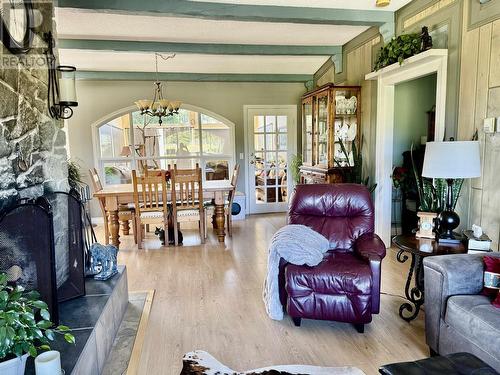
(61, 85)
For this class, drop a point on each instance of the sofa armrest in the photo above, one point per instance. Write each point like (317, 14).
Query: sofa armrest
(371, 249)
(445, 276)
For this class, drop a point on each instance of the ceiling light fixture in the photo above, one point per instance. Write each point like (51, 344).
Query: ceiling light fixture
(382, 3)
(158, 107)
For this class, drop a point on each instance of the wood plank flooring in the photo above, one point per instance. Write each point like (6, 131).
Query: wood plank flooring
(209, 297)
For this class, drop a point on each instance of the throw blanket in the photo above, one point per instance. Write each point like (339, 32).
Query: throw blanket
(297, 244)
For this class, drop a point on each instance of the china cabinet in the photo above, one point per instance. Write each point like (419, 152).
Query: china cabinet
(331, 118)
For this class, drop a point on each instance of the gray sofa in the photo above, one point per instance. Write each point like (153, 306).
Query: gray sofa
(457, 317)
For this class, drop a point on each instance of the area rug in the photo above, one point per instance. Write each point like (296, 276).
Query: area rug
(202, 363)
(127, 347)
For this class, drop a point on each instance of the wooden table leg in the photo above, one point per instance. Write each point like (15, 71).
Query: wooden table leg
(124, 219)
(114, 226)
(219, 215)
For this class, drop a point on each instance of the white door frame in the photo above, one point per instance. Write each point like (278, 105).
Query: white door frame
(423, 64)
(291, 150)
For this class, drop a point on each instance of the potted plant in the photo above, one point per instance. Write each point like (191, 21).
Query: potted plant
(25, 327)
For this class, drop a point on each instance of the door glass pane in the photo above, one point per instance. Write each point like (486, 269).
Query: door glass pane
(283, 195)
(282, 126)
(282, 141)
(258, 124)
(270, 124)
(270, 141)
(322, 131)
(259, 142)
(307, 132)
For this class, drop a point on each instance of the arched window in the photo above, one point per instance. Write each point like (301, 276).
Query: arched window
(133, 141)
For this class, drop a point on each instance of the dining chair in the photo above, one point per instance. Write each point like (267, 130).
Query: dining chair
(125, 214)
(210, 208)
(97, 186)
(149, 193)
(187, 193)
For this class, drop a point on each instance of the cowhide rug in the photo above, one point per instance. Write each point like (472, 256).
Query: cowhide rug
(202, 363)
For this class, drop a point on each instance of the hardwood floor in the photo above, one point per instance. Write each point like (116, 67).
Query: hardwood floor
(209, 297)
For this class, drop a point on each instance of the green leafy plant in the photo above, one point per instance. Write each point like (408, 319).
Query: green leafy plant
(432, 192)
(25, 325)
(398, 49)
(354, 173)
(295, 165)
(74, 174)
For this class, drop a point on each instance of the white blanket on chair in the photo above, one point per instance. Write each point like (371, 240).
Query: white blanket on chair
(297, 244)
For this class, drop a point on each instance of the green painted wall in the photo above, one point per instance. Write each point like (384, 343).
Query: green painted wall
(412, 100)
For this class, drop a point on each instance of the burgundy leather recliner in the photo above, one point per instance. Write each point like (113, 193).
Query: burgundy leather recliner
(345, 286)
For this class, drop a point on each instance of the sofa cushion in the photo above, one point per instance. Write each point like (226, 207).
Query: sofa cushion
(475, 318)
(339, 288)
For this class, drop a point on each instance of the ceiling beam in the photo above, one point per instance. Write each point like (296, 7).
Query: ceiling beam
(237, 12)
(192, 77)
(199, 48)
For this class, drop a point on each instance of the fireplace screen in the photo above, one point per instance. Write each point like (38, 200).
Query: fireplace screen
(27, 250)
(69, 246)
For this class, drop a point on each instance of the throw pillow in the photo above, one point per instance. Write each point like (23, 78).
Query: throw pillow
(492, 279)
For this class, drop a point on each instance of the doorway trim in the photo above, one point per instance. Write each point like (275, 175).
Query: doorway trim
(293, 149)
(433, 61)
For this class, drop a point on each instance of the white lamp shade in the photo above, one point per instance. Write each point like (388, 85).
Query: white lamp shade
(455, 159)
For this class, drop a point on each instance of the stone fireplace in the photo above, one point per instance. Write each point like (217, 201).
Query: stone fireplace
(32, 145)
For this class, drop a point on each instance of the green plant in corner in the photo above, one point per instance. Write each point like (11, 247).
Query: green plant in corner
(295, 164)
(354, 173)
(25, 325)
(398, 49)
(74, 174)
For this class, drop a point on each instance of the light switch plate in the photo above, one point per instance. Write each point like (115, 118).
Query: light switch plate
(242, 156)
(489, 125)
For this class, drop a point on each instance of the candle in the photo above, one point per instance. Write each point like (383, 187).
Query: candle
(67, 90)
(48, 363)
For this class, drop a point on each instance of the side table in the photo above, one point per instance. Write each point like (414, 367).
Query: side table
(418, 248)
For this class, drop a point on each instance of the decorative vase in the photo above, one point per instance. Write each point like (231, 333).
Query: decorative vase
(14, 366)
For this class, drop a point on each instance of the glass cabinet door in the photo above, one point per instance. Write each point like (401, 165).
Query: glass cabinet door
(346, 123)
(322, 129)
(307, 137)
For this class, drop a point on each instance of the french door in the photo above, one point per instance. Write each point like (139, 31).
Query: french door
(271, 141)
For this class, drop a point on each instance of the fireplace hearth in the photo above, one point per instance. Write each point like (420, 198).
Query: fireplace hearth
(42, 247)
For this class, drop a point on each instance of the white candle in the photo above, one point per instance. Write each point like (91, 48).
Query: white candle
(48, 363)
(67, 90)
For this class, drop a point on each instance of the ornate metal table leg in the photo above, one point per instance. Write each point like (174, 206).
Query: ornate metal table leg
(415, 295)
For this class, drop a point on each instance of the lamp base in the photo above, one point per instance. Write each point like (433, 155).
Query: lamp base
(448, 221)
(450, 241)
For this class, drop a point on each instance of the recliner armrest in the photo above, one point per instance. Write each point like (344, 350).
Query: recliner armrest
(371, 249)
(369, 245)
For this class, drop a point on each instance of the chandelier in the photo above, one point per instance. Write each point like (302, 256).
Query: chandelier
(159, 106)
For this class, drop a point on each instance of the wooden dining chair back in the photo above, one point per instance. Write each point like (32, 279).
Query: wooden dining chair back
(97, 186)
(187, 198)
(150, 195)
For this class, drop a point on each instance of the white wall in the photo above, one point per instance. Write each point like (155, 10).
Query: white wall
(97, 99)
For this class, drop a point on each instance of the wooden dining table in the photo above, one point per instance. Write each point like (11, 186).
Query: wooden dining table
(117, 197)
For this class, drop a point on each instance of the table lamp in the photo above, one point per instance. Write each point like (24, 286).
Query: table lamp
(449, 161)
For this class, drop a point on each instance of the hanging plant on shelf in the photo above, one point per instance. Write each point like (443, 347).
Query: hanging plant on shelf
(402, 47)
